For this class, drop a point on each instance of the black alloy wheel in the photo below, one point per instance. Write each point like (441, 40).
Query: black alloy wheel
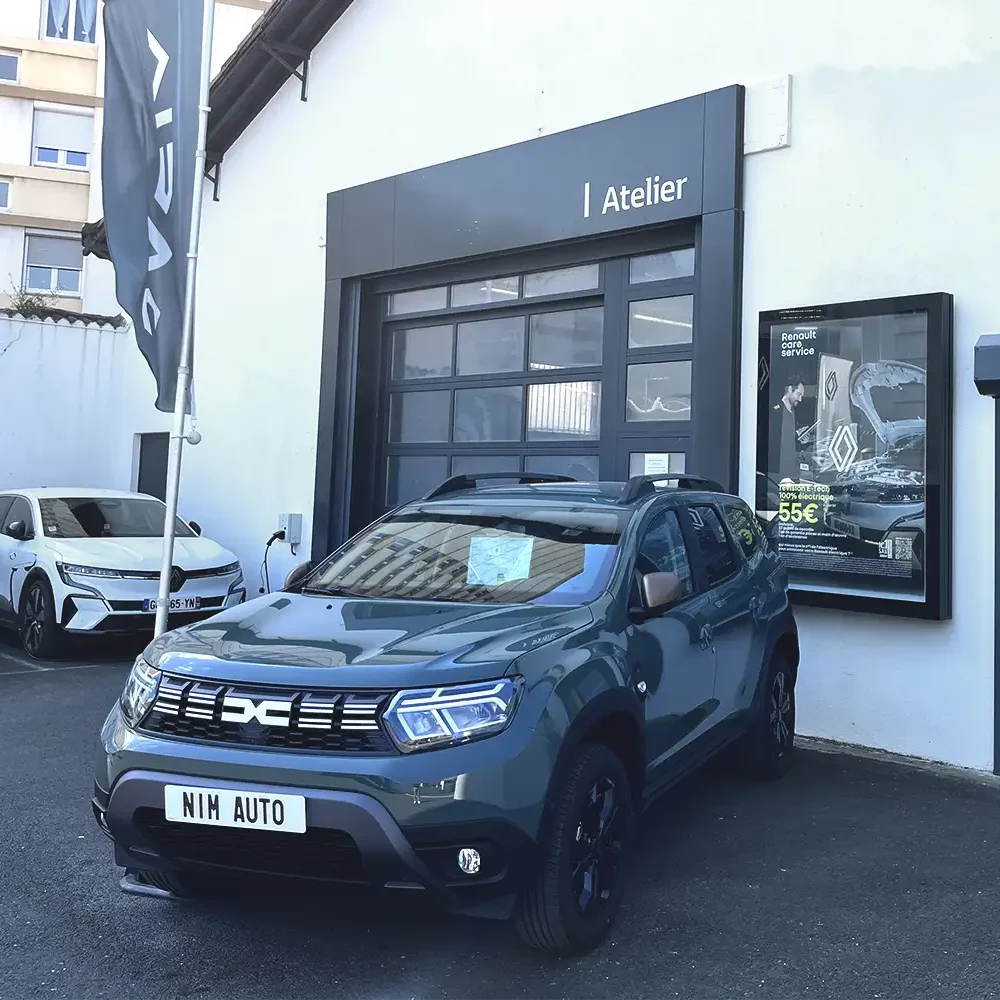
(782, 719)
(38, 626)
(766, 750)
(598, 847)
(585, 847)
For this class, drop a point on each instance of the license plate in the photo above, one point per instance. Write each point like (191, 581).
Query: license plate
(176, 604)
(230, 807)
(844, 527)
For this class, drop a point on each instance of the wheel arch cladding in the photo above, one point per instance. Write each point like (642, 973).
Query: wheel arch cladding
(612, 719)
(787, 645)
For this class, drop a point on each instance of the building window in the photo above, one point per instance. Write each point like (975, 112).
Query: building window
(73, 20)
(53, 264)
(62, 139)
(8, 67)
(4, 194)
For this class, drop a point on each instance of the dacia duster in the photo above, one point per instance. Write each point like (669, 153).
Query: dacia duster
(475, 697)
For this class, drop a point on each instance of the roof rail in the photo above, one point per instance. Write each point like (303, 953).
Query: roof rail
(639, 486)
(469, 482)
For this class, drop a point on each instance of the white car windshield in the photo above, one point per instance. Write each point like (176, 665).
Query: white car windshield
(478, 555)
(106, 517)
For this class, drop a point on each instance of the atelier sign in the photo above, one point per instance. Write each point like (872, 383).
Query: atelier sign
(652, 191)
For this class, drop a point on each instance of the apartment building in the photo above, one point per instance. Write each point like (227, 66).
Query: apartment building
(51, 97)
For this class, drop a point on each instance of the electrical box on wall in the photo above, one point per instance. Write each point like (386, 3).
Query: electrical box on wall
(987, 365)
(291, 525)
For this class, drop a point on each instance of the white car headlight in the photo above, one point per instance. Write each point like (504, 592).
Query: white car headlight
(437, 717)
(74, 569)
(140, 692)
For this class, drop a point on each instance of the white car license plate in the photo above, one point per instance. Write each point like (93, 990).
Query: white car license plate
(844, 527)
(176, 604)
(229, 807)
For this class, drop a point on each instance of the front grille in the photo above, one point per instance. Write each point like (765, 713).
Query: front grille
(317, 853)
(177, 575)
(286, 719)
(200, 574)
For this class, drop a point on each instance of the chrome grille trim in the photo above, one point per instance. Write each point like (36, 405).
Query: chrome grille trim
(267, 717)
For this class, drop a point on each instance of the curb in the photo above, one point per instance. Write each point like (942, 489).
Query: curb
(938, 768)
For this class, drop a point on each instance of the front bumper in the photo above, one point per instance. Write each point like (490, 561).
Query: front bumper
(101, 606)
(387, 821)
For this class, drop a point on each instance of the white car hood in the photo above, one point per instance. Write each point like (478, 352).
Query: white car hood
(139, 553)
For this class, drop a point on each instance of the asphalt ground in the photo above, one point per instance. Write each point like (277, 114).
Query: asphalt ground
(852, 877)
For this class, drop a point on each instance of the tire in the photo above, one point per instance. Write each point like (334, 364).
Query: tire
(570, 906)
(767, 749)
(41, 637)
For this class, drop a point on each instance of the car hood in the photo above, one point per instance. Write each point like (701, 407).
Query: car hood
(888, 375)
(143, 554)
(307, 641)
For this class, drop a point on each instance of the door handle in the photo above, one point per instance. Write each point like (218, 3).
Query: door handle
(706, 636)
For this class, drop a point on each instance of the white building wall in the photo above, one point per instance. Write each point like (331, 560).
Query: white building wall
(11, 258)
(22, 18)
(16, 117)
(887, 187)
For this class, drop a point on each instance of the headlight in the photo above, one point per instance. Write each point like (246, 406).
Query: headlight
(441, 716)
(66, 569)
(233, 567)
(140, 692)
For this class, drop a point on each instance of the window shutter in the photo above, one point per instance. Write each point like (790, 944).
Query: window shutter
(54, 251)
(64, 131)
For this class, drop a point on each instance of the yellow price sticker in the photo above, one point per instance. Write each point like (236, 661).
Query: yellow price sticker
(797, 512)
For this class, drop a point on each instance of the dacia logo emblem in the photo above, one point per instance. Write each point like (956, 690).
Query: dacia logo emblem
(236, 708)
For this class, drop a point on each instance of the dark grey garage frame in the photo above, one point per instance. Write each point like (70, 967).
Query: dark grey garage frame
(521, 208)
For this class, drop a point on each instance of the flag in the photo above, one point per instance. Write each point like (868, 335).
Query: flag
(151, 106)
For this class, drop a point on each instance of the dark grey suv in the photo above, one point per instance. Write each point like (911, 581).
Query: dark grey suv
(474, 698)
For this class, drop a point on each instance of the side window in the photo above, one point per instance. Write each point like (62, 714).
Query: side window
(20, 510)
(5, 503)
(744, 528)
(662, 550)
(716, 552)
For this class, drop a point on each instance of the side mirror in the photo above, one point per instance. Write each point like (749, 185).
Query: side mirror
(659, 592)
(195, 527)
(17, 530)
(294, 579)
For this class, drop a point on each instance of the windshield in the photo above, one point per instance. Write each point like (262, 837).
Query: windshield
(479, 555)
(106, 517)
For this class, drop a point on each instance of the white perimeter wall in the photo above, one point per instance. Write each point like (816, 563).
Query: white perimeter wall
(888, 187)
(71, 397)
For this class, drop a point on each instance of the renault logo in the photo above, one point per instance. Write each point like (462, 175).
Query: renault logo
(177, 578)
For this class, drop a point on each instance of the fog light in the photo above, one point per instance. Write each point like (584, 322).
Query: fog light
(469, 860)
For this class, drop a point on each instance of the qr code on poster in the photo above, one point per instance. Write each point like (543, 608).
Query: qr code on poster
(904, 548)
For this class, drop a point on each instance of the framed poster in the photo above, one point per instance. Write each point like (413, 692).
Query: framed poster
(854, 426)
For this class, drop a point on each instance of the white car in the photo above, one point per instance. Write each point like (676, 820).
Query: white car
(84, 562)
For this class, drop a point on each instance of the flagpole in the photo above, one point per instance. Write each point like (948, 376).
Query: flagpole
(177, 436)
